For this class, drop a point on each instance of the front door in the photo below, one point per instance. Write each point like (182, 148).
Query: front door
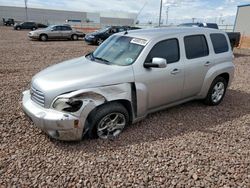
(55, 32)
(163, 85)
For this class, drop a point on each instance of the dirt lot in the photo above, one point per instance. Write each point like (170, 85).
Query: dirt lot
(190, 145)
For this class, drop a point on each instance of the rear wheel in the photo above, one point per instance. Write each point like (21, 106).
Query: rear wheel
(18, 28)
(99, 41)
(74, 37)
(216, 92)
(33, 28)
(43, 37)
(108, 121)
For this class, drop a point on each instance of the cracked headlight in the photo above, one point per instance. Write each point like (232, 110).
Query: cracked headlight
(67, 105)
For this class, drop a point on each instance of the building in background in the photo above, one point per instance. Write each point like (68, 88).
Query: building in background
(242, 23)
(48, 16)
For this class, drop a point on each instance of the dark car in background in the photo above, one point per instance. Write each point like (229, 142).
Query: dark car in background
(8, 22)
(26, 25)
(39, 25)
(206, 25)
(234, 37)
(99, 36)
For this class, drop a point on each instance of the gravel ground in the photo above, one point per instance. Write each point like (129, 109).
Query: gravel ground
(190, 145)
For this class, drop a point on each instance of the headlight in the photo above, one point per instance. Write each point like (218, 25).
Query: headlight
(67, 105)
(91, 36)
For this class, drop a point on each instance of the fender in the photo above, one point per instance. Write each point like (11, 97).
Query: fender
(227, 67)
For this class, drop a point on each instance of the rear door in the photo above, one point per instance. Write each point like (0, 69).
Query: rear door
(197, 63)
(66, 31)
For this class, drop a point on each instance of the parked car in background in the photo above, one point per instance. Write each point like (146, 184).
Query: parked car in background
(198, 24)
(56, 32)
(25, 25)
(99, 36)
(234, 37)
(130, 75)
(8, 22)
(39, 25)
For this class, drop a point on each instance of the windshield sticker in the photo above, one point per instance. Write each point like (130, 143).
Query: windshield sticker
(129, 60)
(142, 42)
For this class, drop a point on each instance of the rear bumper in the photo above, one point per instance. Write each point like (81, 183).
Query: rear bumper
(58, 125)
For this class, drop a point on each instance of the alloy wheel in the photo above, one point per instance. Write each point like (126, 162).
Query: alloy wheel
(111, 125)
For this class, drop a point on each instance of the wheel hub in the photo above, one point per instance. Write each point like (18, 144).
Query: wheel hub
(111, 125)
(218, 92)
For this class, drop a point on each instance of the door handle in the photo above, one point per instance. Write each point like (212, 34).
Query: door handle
(175, 71)
(207, 63)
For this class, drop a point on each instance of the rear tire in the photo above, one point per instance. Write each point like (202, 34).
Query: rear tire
(43, 37)
(74, 37)
(33, 28)
(108, 121)
(216, 92)
(18, 28)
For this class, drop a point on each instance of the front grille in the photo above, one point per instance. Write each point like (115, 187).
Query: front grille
(37, 96)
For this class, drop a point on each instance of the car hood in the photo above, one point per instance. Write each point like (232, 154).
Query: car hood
(79, 73)
(40, 30)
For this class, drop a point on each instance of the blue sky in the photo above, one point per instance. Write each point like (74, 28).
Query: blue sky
(179, 10)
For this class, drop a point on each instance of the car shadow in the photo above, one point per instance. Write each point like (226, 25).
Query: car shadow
(236, 55)
(190, 117)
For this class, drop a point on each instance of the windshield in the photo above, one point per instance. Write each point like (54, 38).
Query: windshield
(103, 30)
(119, 50)
(50, 27)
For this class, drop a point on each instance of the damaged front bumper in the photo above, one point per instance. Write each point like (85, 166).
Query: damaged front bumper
(58, 125)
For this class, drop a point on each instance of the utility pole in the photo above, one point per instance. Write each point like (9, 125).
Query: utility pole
(26, 9)
(160, 14)
(193, 19)
(167, 11)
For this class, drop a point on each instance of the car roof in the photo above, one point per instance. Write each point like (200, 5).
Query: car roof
(150, 34)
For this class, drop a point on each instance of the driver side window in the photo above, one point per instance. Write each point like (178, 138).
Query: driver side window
(57, 28)
(167, 49)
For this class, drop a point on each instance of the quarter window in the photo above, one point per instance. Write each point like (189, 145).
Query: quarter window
(167, 49)
(219, 42)
(196, 46)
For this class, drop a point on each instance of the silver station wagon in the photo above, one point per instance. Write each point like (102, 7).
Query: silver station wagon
(130, 75)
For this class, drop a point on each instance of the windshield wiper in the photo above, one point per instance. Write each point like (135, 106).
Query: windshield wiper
(93, 58)
(101, 59)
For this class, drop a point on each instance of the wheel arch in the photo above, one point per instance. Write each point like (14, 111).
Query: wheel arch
(209, 80)
(42, 35)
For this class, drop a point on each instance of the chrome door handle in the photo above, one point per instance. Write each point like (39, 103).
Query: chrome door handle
(207, 63)
(175, 71)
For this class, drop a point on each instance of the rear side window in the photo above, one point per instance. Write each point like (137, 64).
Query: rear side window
(167, 49)
(196, 46)
(219, 42)
(66, 28)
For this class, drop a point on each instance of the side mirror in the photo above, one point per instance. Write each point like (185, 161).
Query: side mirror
(52, 29)
(156, 63)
